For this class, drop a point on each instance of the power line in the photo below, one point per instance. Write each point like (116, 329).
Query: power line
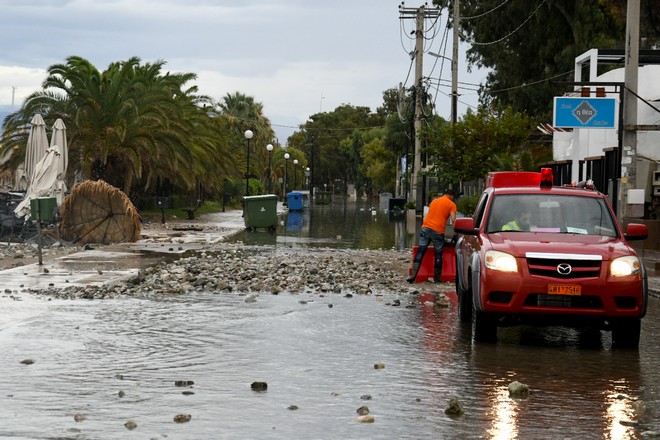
(508, 35)
(528, 84)
(485, 13)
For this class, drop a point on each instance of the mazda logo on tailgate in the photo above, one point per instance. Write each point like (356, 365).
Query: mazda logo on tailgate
(564, 268)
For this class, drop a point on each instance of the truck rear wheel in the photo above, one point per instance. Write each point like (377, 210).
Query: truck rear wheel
(625, 333)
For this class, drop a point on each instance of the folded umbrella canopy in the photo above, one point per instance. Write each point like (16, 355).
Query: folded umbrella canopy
(58, 140)
(42, 183)
(96, 212)
(36, 146)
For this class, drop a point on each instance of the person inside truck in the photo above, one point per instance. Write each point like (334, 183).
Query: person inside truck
(520, 223)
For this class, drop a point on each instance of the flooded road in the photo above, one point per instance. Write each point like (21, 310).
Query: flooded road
(98, 365)
(320, 359)
(344, 224)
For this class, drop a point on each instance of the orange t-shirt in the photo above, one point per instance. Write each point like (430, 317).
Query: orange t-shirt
(439, 211)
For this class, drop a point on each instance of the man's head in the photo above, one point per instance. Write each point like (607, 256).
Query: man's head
(450, 192)
(524, 219)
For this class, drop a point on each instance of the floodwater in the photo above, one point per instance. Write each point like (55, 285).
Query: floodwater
(114, 361)
(343, 224)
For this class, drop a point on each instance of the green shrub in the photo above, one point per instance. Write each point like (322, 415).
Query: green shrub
(467, 204)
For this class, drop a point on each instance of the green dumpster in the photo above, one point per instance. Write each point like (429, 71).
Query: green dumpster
(260, 211)
(323, 197)
(47, 207)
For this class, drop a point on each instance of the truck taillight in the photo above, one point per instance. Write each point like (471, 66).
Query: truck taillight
(546, 178)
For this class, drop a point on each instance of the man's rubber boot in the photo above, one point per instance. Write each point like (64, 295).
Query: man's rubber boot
(437, 274)
(415, 269)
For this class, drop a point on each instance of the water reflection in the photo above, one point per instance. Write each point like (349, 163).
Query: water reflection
(343, 224)
(318, 358)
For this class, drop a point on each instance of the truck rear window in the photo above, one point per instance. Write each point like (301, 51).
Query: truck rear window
(562, 214)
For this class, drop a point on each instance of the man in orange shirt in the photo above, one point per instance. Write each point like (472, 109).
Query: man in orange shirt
(433, 231)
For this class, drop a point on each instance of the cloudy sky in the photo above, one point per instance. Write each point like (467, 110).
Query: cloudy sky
(296, 57)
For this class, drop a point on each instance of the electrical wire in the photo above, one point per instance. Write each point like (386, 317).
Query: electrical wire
(485, 13)
(527, 84)
(508, 35)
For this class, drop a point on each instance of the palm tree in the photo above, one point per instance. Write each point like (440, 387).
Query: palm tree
(242, 113)
(130, 124)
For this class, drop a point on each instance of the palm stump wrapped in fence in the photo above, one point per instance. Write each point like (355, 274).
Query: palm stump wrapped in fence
(96, 212)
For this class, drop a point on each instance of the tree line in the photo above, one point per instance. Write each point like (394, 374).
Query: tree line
(150, 132)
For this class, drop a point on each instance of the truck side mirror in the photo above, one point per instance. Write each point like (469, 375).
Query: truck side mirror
(465, 226)
(636, 231)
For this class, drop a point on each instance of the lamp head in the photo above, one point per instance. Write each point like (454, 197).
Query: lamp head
(248, 134)
(286, 156)
(295, 161)
(269, 147)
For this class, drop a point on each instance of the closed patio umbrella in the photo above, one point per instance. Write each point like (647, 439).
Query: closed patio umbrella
(43, 182)
(58, 138)
(36, 146)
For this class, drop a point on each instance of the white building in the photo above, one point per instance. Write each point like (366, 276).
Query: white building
(582, 147)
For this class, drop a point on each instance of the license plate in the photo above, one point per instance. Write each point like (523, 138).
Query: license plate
(564, 289)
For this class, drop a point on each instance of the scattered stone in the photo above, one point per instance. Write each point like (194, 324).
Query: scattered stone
(183, 383)
(365, 397)
(121, 394)
(365, 419)
(187, 393)
(240, 268)
(292, 407)
(78, 417)
(259, 386)
(638, 406)
(651, 434)
(363, 410)
(454, 408)
(628, 423)
(27, 362)
(379, 366)
(182, 418)
(518, 390)
(130, 425)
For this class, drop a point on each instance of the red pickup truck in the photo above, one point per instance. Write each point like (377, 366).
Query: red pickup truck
(570, 265)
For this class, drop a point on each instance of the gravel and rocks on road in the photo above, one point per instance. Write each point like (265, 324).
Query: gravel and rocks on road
(253, 270)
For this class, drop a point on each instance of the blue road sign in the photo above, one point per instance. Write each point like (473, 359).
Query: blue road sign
(576, 112)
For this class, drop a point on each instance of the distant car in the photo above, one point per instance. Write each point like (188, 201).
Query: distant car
(572, 267)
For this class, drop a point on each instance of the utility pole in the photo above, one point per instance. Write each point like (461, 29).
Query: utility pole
(454, 64)
(13, 92)
(629, 153)
(419, 14)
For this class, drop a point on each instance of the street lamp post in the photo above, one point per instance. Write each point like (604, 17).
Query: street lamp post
(286, 166)
(295, 173)
(248, 135)
(269, 147)
(307, 176)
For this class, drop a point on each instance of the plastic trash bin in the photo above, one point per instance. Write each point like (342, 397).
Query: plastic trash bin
(260, 211)
(323, 197)
(47, 208)
(295, 201)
